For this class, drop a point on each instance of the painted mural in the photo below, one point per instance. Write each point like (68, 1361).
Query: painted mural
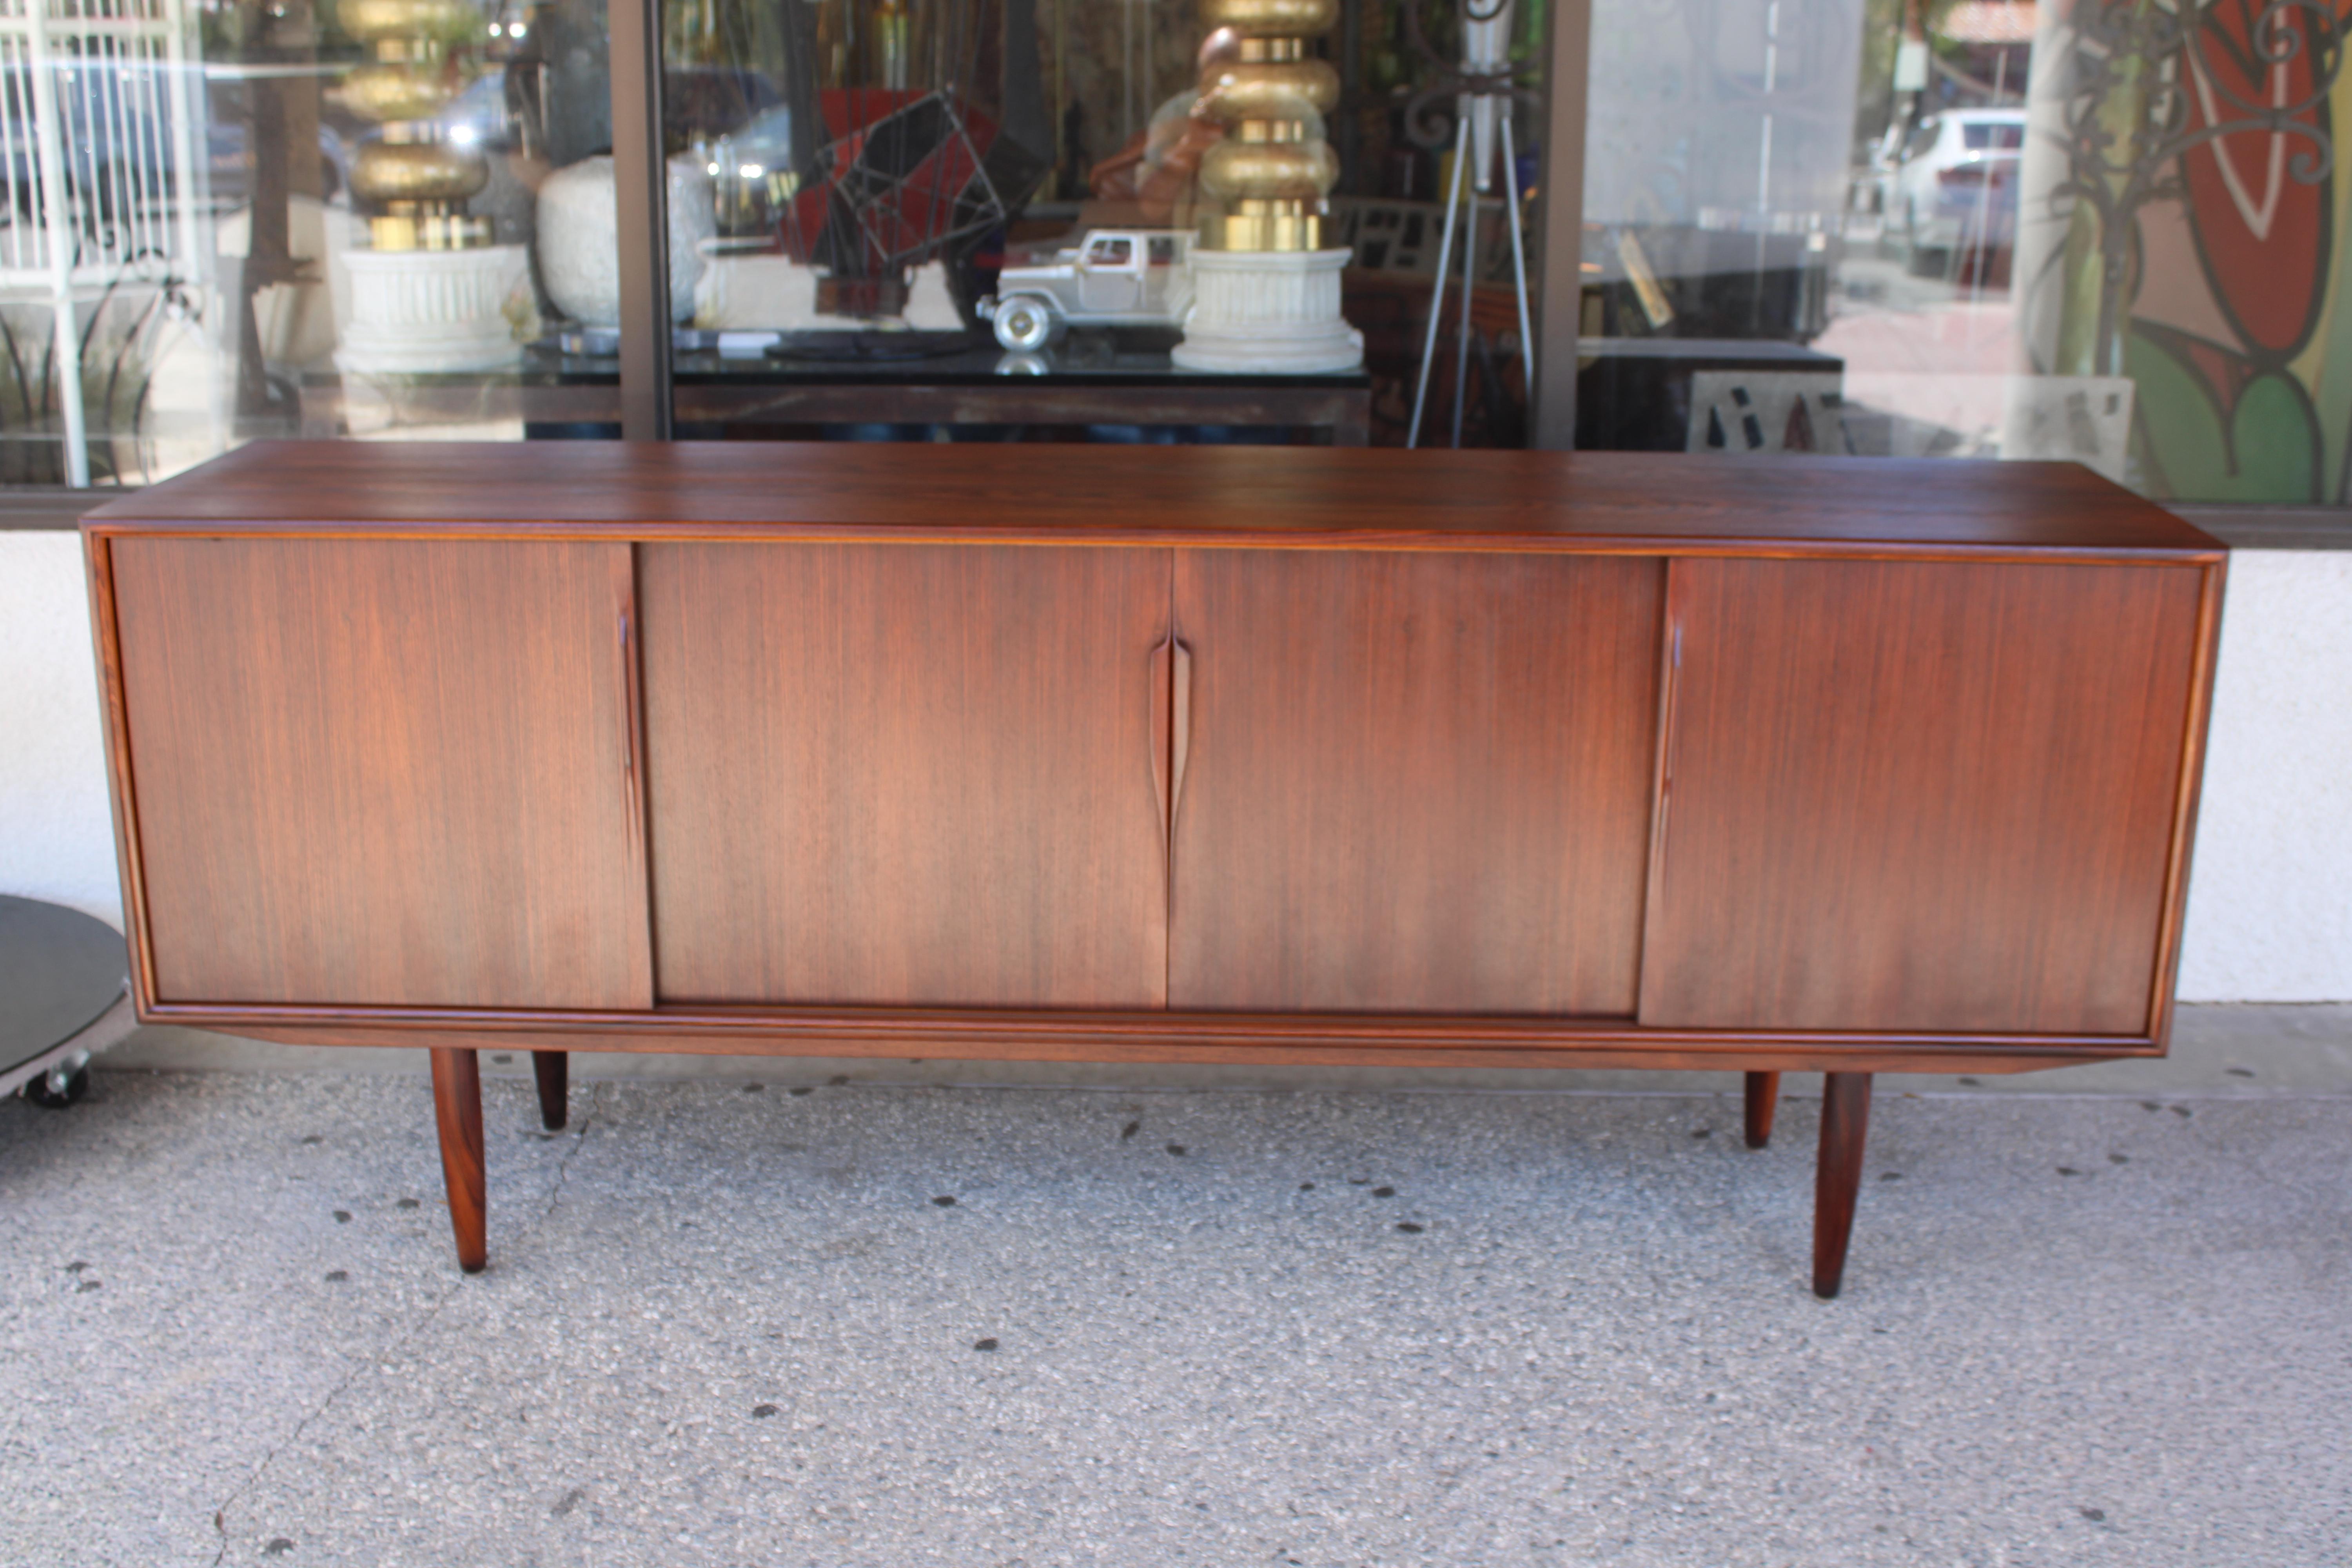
(2190, 206)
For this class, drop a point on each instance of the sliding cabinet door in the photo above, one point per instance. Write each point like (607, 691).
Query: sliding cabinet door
(1918, 796)
(907, 774)
(383, 772)
(1412, 781)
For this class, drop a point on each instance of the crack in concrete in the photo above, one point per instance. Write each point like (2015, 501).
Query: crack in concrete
(563, 1166)
(556, 1195)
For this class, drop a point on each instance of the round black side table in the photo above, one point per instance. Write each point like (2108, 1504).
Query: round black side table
(65, 994)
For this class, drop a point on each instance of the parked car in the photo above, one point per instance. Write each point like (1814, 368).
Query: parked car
(1954, 184)
(1129, 276)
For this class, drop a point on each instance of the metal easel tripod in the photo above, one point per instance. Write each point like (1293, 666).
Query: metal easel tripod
(1483, 88)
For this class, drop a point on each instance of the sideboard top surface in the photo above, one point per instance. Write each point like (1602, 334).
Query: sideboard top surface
(1289, 497)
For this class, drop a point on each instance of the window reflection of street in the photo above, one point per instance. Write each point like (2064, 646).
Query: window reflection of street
(1931, 354)
(1801, 217)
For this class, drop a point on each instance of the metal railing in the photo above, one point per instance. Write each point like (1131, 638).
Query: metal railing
(99, 177)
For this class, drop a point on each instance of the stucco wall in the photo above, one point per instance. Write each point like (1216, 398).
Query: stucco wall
(57, 840)
(2270, 892)
(2270, 908)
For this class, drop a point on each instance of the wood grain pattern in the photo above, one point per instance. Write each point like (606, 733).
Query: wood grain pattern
(1379, 759)
(379, 773)
(1415, 783)
(1762, 1097)
(2186, 792)
(1908, 796)
(457, 1116)
(975, 1035)
(1837, 1175)
(1292, 497)
(107, 645)
(552, 1072)
(1063, 1031)
(906, 774)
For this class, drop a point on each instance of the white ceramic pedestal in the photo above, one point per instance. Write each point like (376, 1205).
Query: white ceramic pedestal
(1259, 312)
(419, 312)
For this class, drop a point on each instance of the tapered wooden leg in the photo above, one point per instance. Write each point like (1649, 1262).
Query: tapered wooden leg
(553, 1069)
(1845, 1120)
(458, 1108)
(1763, 1100)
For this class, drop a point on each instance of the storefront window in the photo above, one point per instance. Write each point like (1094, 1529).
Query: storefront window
(1211, 220)
(2102, 230)
(1075, 219)
(376, 219)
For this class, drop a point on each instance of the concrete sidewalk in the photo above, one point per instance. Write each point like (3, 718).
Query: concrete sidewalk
(1406, 1323)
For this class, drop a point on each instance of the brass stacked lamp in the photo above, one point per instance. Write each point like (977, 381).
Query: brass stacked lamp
(414, 172)
(1273, 169)
(430, 294)
(1267, 290)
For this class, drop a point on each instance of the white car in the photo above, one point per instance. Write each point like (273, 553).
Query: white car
(1954, 185)
(1122, 276)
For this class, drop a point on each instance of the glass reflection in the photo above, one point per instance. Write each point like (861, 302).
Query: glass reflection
(2083, 229)
(928, 186)
(271, 217)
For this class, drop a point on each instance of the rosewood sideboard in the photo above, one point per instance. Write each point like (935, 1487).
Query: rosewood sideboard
(1297, 755)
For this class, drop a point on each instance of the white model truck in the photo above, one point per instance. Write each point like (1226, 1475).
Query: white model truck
(1116, 277)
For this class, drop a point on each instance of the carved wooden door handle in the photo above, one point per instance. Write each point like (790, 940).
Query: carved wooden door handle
(631, 708)
(1669, 694)
(1180, 727)
(1172, 725)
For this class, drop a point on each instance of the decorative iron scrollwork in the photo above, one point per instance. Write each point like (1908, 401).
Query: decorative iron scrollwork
(1429, 113)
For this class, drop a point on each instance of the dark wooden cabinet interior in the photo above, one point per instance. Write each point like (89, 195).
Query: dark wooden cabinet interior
(1297, 756)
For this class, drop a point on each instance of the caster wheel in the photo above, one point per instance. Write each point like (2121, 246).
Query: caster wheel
(77, 1088)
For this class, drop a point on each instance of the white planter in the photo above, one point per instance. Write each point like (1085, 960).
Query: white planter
(421, 312)
(1267, 312)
